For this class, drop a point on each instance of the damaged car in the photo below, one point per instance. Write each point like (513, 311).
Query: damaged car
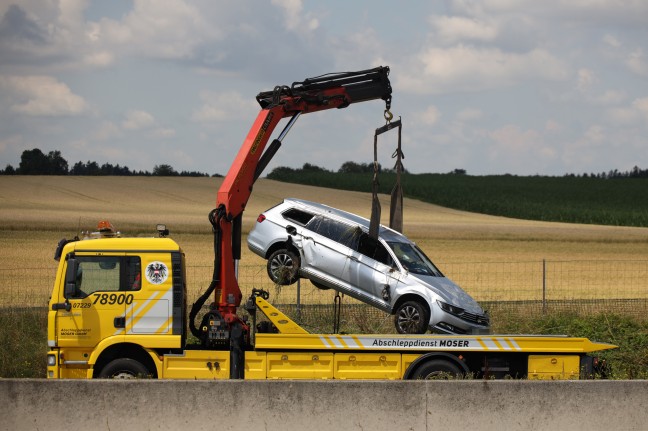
(332, 249)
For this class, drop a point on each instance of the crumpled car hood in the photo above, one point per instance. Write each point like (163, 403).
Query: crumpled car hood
(450, 292)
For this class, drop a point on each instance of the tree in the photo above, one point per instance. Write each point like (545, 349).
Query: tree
(57, 165)
(164, 171)
(33, 162)
(357, 168)
(312, 168)
(9, 170)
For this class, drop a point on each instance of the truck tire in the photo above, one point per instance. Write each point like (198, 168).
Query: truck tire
(124, 368)
(411, 317)
(283, 267)
(437, 369)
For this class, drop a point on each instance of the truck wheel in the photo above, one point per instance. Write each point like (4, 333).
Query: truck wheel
(124, 368)
(411, 318)
(283, 267)
(437, 369)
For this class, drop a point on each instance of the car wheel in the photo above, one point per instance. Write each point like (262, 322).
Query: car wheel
(283, 267)
(437, 369)
(124, 368)
(411, 317)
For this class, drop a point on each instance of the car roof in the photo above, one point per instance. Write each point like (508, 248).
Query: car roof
(384, 232)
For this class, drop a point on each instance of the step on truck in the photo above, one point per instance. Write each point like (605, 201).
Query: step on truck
(119, 305)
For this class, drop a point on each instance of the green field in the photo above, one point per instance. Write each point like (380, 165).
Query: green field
(617, 202)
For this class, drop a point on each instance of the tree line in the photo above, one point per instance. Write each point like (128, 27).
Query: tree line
(367, 168)
(35, 162)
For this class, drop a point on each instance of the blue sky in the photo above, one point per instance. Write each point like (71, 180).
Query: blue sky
(495, 86)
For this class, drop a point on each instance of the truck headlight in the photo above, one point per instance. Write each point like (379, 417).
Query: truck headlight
(51, 360)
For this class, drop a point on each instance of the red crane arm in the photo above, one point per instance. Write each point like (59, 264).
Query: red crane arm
(311, 95)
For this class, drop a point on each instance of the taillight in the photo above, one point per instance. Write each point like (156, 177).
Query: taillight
(260, 218)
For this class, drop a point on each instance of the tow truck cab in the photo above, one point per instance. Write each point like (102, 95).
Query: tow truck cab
(112, 296)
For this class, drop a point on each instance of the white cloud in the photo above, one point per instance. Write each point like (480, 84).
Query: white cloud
(106, 131)
(641, 105)
(222, 107)
(42, 96)
(453, 29)
(470, 114)
(137, 120)
(585, 80)
(163, 133)
(511, 140)
(638, 63)
(100, 59)
(633, 114)
(611, 97)
(430, 116)
(466, 68)
(294, 18)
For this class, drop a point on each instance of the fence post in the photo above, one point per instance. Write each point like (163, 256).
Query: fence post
(298, 299)
(544, 286)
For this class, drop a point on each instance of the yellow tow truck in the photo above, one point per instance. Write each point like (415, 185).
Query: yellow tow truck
(119, 305)
(118, 310)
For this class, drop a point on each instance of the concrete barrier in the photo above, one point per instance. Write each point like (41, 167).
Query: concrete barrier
(29, 404)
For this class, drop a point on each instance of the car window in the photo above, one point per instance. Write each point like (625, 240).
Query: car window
(298, 216)
(413, 259)
(374, 249)
(334, 230)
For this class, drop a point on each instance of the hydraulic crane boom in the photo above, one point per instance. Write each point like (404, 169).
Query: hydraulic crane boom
(329, 91)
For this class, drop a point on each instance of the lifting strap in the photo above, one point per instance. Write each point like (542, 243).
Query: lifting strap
(396, 206)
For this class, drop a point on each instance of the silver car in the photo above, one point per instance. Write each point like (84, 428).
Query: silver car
(332, 249)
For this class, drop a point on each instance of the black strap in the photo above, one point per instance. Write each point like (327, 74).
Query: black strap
(396, 208)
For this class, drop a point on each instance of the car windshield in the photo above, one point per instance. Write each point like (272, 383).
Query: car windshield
(413, 259)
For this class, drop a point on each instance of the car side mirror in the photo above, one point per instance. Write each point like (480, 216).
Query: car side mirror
(292, 231)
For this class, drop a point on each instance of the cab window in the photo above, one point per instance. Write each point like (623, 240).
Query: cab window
(107, 274)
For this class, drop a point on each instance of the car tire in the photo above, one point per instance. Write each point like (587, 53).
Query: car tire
(437, 369)
(283, 267)
(124, 368)
(411, 317)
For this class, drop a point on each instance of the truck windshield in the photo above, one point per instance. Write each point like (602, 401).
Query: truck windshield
(413, 259)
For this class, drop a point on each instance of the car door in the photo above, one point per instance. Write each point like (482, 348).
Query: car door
(324, 255)
(372, 272)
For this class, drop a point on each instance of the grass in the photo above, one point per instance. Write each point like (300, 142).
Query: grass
(23, 337)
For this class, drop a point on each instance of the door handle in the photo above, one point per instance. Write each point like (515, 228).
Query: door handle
(120, 322)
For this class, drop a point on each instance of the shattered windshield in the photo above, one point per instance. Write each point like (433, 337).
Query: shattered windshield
(413, 259)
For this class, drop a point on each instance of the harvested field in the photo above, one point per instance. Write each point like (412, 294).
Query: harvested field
(482, 253)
